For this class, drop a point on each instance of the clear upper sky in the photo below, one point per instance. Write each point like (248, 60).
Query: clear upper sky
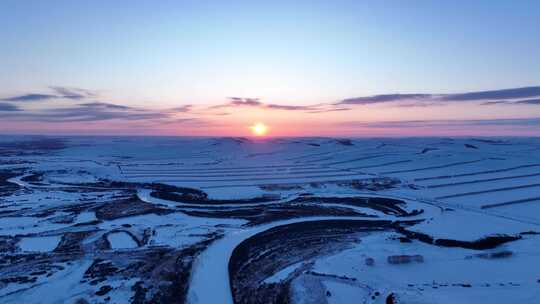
(160, 55)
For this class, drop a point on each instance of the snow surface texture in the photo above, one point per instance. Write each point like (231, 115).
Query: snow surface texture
(168, 220)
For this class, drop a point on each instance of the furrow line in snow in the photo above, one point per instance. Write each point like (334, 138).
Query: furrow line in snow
(382, 165)
(482, 180)
(476, 173)
(521, 201)
(488, 191)
(247, 174)
(434, 167)
(255, 178)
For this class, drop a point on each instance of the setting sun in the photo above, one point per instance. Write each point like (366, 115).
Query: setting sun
(259, 129)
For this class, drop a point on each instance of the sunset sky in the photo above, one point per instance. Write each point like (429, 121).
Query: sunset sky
(304, 68)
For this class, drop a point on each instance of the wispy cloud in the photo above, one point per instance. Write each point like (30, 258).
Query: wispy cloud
(30, 97)
(82, 114)
(182, 109)
(288, 108)
(105, 105)
(257, 103)
(329, 109)
(529, 102)
(90, 109)
(419, 104)
(496, 102)
(7, 107)
(192, 121)
(384, 98)
(401, 100)
(535, 101)
(431, 99)
(58, 93)
(524, 92)
(241, 101)
(73, 93)
(445, 123)
(91, 112)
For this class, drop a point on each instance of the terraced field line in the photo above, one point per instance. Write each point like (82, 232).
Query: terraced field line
(254, 178)
(381, 165)
(229, 168)
(352, 160)
(521, 201)
(482, 180)
(488, 191)
(442, 205)
(434, 167)
(334, 154)
(273, 184)
(218, 170)
(247, 174)
(476, 173)
(308, 156)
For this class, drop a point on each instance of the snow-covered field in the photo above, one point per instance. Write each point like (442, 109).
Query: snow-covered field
(283, 220)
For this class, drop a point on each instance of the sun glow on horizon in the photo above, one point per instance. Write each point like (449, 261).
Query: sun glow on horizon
(259, 129)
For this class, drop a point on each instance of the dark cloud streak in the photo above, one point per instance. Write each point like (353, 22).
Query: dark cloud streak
(7, 107)
(523, 92)
(73, 93)
(445, 123)
(182, 109)
(105, 105)
(93, 112)
(515, 102)
(256, 103)
(59, 93)
(384, 98)
(422, 99)
(30, 97)
(528, 102)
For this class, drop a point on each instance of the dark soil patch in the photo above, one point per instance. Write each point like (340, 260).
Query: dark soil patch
(386, 205)
(471, 146)
(488, 242)
(190, 198)
(7, 188)
(71, 242)
(131, 206)
(270, 213)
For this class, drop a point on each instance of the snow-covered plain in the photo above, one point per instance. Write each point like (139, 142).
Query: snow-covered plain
(237, 220)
